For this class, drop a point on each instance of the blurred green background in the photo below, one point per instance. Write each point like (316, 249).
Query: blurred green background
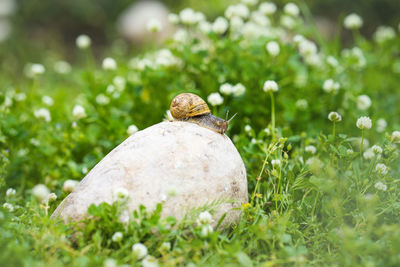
(37, 25)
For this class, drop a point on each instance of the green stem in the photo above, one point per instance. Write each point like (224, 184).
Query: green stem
(362, 143)
(273, 115)
(334, 130)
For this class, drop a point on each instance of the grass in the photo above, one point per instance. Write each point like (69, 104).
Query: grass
(317, 197)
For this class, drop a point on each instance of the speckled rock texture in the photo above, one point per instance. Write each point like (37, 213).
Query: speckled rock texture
(197, 164)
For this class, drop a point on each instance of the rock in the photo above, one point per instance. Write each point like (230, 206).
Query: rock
(193, 163)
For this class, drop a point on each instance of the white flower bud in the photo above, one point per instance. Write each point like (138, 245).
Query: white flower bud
(139, 250)
(215, 99)
(117, 237)
(79, 112)
(273, 48)
(353, 21)
(69, 185)
(364, 123)
(363, 102)
(109, 64)
(83, 41)
(132, 129)
(270, 86)
(40, 191)
(334, 117)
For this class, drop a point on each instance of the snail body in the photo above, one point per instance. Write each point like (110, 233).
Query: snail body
(192, 108)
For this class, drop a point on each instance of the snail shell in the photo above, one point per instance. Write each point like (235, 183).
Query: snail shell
(188, 105)
(192, 108)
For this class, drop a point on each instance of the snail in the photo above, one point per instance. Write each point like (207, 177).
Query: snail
(192, 108)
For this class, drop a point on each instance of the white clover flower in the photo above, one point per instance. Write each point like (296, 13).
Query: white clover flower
(381, 169)
(220, 25)
(288, 22)
(101, 99)
(267, 8)
(132, 129)
(34, 142)
(139, 250)
(363, 102)
(165, 58)
(110, 263)
(381, 125)
(84, 170)
(173, 18)
(238, 10)
(149, 261)
(332, 61)
(200, 17)
(353, 21)
(298, 39)
(291, 9)
(119, 82)
(8, 206)
(215, 99)
(276, 162)
(302, 104)
(20, 96)
(260, 19)
(205, 27)
(273, 48)
(364, 123)
(124, 217)
(349, 151)
(40, 191)
(376, 149)
(356, 56)
(69, 185)
(37, 69)
(380, 186)
(47, 100)
(270, 86)
(121, 193)
(109, 64)
(369, 154)
(238, 89)
(117, 237)
(330, 86)
(206, 230)
(10, 192)
(307, 47)
(42, 113)
(311, 149)
(51, 197)
(236, 23)
(62, 67)
(79, 112)
(181, 36)
(247, 128)
(396, 137)
(154, 25)
(204, 218)
(384, 33)
(188, 16)
(226, 89)
(83, 41)
(315, 164)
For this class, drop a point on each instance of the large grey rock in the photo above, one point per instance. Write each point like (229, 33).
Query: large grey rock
(201, 166)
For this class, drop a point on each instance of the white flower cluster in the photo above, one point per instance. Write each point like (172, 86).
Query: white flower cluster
(330, 86)
(109, 63)
(139, 250)
(270, 86)
(154, 25)
(381, 169)
(238, 10)
(291, 9)
(273, 48)
(220, 25)
(42, 113)
(353, 21)
(229, 89)
(396, 137)
(190, 17)
(334, 116)
(363, 102)
(310, 149)
(47, 100)
(83, 41)
(308, 50)
(117, 237)
(132, 129)
(276, 162)
(380, 186)
(33, 70)
(384, 33)
(381, 125)
(267, 8)
(364, 123)
(79, 112)
(11, 192)
(215, 99)
(355, 56)
(62, 67)
(376, 149)
(204, 220)
(69, 185)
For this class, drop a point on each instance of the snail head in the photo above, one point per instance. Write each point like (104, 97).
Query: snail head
(224, 124)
